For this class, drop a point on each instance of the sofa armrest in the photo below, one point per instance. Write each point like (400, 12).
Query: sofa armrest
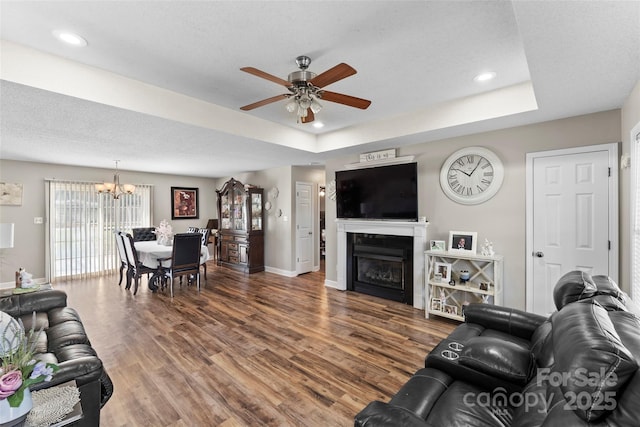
(509, 320)
(21, 304)
(379, 414)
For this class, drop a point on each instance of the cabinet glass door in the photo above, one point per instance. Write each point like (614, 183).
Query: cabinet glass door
(225, 212)
(240, 209)
(256, 211)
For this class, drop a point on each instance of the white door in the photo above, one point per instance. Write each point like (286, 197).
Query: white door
(570, 220)
(304, 227)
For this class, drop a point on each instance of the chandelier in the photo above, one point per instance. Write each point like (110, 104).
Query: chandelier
(115, 188)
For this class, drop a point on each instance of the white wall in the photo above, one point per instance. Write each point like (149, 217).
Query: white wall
(29, 249)
(501, 219)
(630, 117)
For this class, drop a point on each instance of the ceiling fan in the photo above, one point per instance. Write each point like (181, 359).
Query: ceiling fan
(306, 88)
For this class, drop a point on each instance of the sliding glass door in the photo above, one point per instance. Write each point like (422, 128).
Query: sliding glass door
(80, 240)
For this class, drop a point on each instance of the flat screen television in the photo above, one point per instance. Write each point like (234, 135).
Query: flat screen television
(383, 192)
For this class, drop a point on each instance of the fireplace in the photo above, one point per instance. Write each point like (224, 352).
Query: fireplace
(381, 265)
(416, 230)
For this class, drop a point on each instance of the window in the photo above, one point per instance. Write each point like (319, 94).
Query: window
(82, 223)
(635, 214)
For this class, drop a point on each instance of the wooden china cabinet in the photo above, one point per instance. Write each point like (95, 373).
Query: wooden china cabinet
(241, 233)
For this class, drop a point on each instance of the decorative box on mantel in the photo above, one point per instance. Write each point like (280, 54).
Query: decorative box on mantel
(417, 230)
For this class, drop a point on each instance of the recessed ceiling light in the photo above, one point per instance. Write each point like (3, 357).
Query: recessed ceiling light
(483, 77)
(70, 38)
(318, 125)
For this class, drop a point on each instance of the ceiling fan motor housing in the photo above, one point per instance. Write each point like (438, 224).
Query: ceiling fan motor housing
(300, 78)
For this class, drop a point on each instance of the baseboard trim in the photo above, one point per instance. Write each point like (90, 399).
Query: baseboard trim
(280, 272)
(331, 284)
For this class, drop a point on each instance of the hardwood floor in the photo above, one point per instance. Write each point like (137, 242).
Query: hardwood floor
(249, 350)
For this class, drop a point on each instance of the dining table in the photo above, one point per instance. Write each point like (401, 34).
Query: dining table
(150, 251)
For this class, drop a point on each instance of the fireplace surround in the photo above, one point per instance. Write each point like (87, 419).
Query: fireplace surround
(417, 230)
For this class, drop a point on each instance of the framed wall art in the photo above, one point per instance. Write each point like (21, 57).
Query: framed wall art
(10, 194)
(463, 241)
(184, 203)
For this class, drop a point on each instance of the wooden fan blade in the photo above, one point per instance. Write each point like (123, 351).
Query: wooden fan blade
(332, 75)
(263, 102)
(310, 117)
(267, 76)
(340, 98)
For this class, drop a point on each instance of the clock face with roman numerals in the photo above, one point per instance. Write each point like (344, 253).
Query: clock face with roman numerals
(471, 175)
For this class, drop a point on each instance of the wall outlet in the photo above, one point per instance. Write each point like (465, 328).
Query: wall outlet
(38, 220)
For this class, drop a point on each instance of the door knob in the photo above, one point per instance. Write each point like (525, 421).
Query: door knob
(539, 254)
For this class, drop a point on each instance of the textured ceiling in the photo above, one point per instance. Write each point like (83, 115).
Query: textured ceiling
(169, 78)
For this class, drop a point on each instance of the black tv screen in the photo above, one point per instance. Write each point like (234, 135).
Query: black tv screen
(384, 192)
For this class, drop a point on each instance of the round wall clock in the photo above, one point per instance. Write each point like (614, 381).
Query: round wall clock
(471, 175)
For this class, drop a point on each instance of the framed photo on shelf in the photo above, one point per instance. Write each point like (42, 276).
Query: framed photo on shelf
(443, 268)
(184, 203)
(450, 309)
(438, 245)
(436, 304)
(463, 241)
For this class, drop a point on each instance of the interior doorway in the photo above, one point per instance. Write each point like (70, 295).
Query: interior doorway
(304, 227)
(572, 218)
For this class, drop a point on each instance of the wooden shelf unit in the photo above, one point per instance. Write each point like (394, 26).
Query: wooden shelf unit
(487, 269)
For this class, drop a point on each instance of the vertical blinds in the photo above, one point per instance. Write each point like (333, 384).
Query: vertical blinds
(82, 223)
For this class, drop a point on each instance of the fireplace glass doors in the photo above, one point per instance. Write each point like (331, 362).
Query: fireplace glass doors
(381, 265)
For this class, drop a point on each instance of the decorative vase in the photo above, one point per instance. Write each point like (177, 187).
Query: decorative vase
(15, 417)
(464, 276)
(165, 240)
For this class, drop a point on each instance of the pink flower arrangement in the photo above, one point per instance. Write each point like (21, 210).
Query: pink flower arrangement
(18, 368)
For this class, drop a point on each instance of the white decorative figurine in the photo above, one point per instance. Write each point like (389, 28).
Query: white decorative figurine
(487, 248)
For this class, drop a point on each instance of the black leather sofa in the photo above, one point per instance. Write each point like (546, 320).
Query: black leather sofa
(65, 343)
(506, 367)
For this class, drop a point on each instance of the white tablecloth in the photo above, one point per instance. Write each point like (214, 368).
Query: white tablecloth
(150, 251)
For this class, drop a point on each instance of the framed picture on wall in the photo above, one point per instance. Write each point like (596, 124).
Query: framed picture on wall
(184, 203)
(10, 194)
(463, 241)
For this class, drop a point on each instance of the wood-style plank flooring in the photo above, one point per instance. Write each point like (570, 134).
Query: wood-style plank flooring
(249, 350)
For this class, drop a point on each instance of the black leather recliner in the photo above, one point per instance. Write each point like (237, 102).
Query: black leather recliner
(65, 343)
(506, 367)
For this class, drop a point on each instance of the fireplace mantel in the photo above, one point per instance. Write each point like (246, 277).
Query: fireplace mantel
(393, 228)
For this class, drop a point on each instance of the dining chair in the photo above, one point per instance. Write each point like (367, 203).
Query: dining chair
(212, 226)
(136, 268)
(144, 234)
(185, 259)
(205, 239)
(192, 229)
(121, 253)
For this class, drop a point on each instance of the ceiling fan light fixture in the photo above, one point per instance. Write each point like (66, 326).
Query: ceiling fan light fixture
(315, 105)
(292, 105)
